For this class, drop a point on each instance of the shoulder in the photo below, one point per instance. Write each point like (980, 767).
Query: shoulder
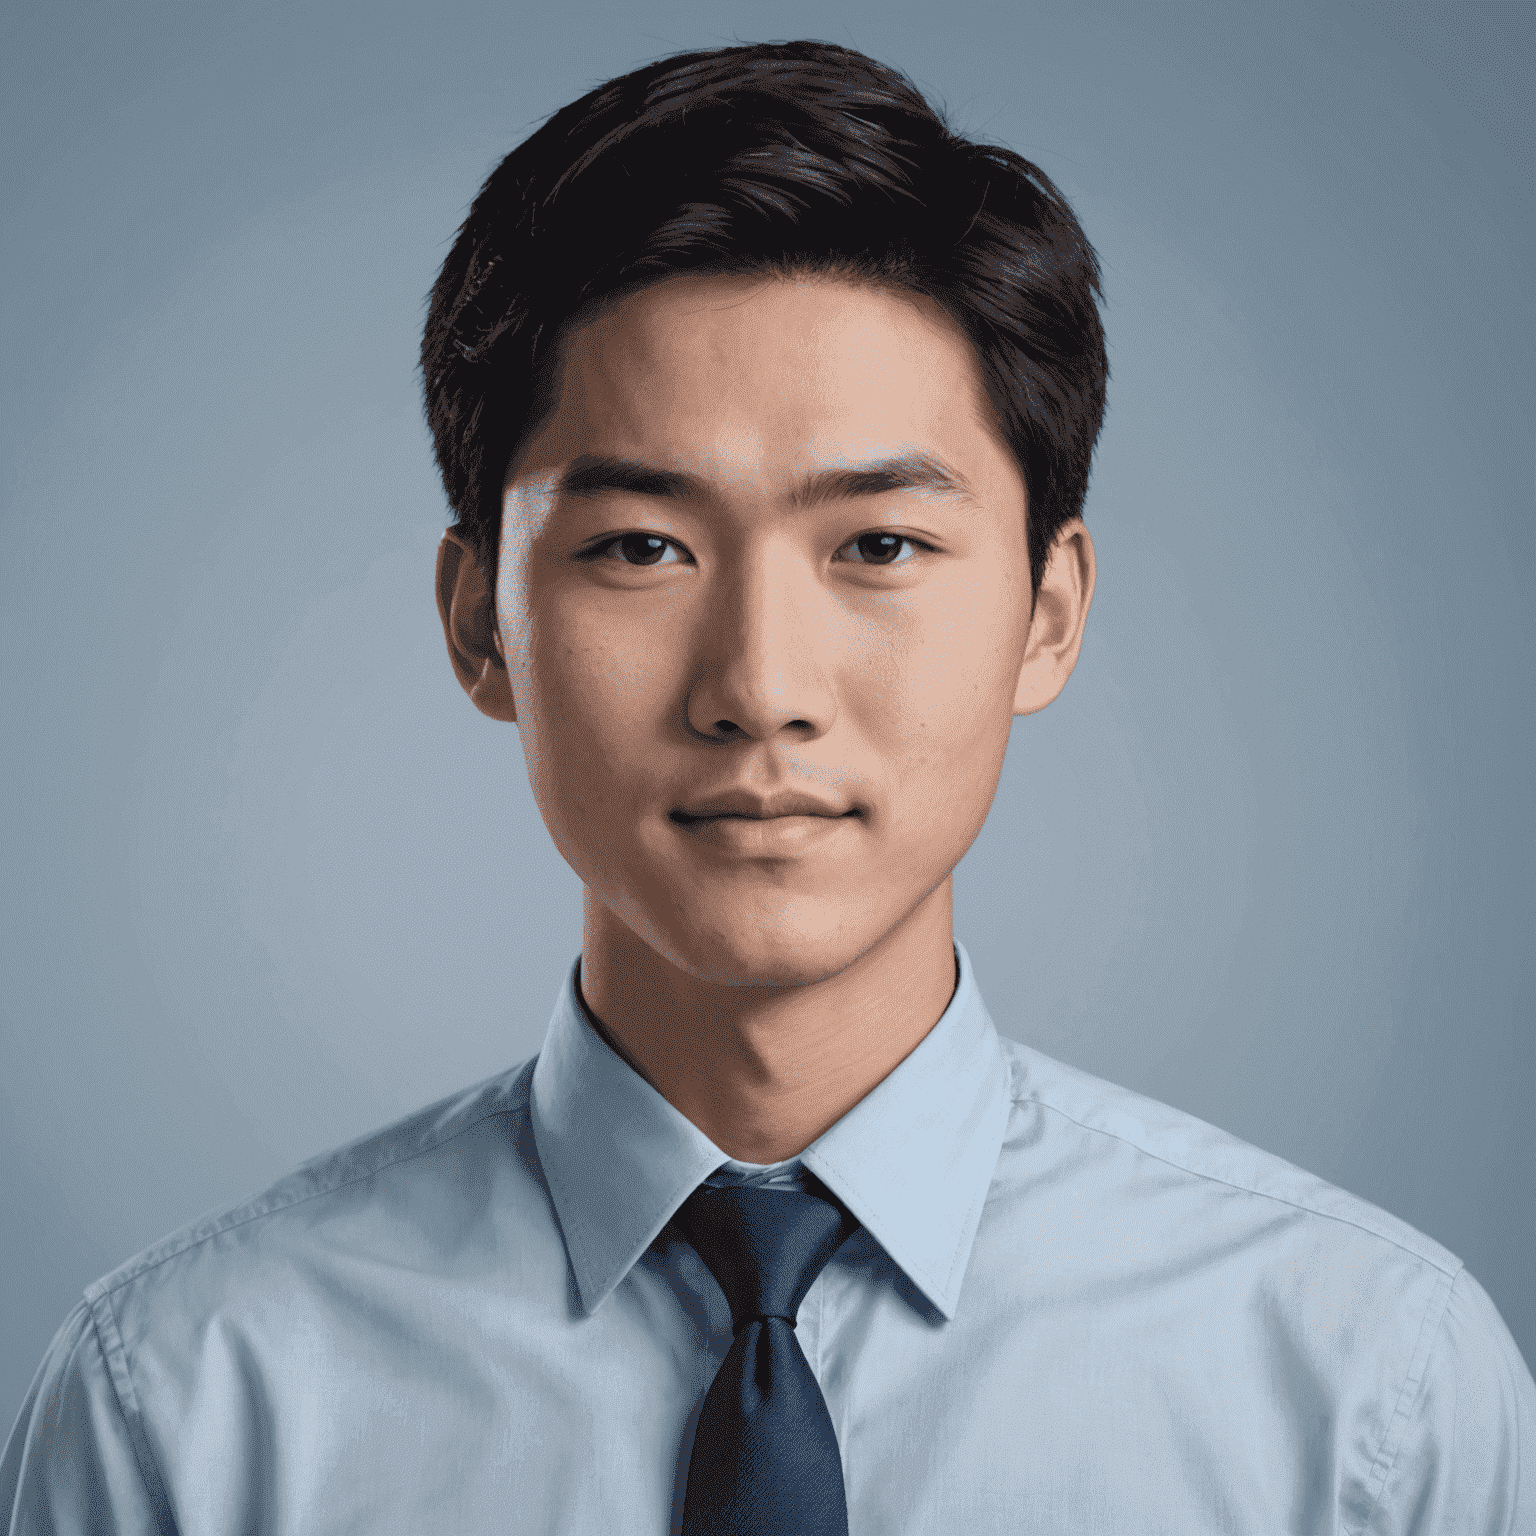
(1154, 1144)
(302, 1289)
(381, 1187)
(1116, 1195)
(1306, 1302)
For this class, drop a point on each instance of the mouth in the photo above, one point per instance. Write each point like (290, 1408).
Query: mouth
(773, 828)
(701, 819)
(786, 808)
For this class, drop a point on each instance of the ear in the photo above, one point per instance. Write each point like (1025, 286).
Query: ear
(1056, 625)
(468, 611)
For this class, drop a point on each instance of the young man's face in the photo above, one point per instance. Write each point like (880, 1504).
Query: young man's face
(763, 685)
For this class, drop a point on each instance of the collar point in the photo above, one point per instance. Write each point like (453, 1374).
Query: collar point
(945, 1302)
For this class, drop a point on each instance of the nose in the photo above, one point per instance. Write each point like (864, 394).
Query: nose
(763, 648)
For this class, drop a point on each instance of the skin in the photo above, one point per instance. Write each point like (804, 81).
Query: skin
(857, 654)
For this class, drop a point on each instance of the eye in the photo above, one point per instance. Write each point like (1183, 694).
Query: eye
(637, 549)
(880, 549)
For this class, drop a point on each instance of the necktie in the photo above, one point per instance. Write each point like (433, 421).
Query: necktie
(765, 1459)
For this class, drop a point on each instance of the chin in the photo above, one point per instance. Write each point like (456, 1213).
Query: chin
(793, 944)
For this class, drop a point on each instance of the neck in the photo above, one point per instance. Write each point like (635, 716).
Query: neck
(764, 1070)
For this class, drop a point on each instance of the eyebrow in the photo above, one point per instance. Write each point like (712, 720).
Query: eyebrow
(591, 474)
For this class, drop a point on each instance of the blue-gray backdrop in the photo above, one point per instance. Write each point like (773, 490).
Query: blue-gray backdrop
(1269, 857)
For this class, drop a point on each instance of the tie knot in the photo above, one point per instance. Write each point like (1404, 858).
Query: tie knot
(765, 1247)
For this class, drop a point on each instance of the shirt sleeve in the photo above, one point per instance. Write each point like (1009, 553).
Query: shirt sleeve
(71, 1466)
(1466, 1461)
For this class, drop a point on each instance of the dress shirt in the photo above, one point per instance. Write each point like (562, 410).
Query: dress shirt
(1068, 1310)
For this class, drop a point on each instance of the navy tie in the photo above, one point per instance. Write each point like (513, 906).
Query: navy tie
(765, 1459)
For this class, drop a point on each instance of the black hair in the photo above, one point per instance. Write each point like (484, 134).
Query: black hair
(770, 157)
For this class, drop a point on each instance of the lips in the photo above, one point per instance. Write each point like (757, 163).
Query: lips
(753, 807)
(768, 830)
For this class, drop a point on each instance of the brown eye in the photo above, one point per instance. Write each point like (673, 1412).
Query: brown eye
(638, 549)
(878, 548)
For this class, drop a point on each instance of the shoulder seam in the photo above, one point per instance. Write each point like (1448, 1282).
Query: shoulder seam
(101, 1289)
(1418, 1365)
(1262, 1194)
(115, 1358)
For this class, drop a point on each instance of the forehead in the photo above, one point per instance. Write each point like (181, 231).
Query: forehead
(768, 371)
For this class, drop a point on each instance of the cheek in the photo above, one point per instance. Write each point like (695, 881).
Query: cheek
(595, 691)
(570, 719)
(598, 684)
(940, 698)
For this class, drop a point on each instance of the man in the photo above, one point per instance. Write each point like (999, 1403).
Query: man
(766, 408)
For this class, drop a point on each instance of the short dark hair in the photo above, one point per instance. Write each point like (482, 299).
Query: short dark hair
(771, 157)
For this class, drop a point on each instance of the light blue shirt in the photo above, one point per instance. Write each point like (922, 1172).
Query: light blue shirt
(1069, 1310)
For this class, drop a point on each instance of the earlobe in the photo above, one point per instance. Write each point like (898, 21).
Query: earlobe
(1056, 625)
(468, 611)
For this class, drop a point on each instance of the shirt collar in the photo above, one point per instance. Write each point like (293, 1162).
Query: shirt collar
(913, 1159)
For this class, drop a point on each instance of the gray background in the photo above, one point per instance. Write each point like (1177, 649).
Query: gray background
(1269, 857)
